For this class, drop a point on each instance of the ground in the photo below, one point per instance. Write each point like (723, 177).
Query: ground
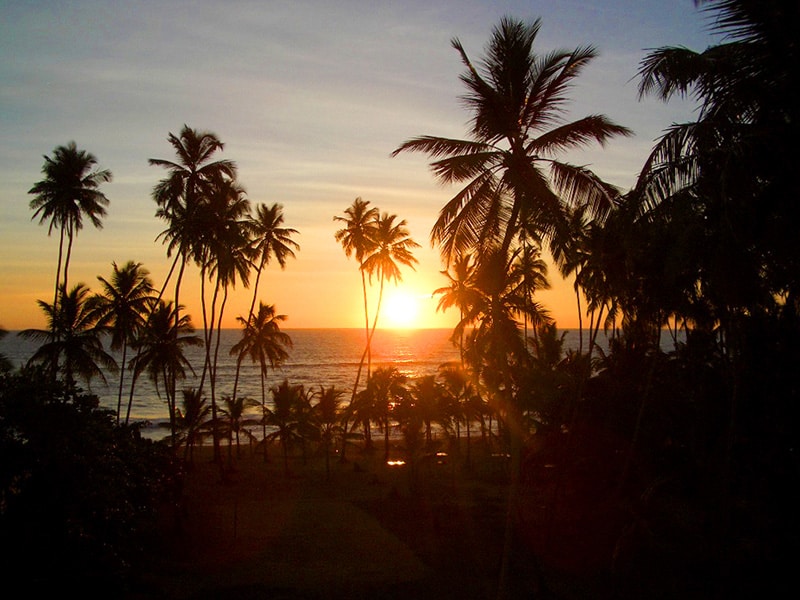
(365, 531)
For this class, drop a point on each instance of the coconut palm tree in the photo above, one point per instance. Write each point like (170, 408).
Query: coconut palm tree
(68, 192)
(517, 98)
(161, 353)
(393, 249)
(458, 293)
(122, 307)
(266, 345)
(357, 239)
(287, 400)
(233, 410)
(191, 419)
(328, 417)
(268, 240)
(73, 344)
(181, 195)
(223, 256)
(385, 388)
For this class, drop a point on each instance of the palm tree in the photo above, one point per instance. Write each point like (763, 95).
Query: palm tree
(265, 344)
(530, 271)
(286, 400)
(268, 240)
(223, 254)
(357, 238)
(191, 420)
(181, 195)
(73, 344)
(328, 418)
(122, 307)
(517, 98)
(385, 388)
(234, 409)
(458, 293)
(160, 353)
(393, 249)
(69, 191)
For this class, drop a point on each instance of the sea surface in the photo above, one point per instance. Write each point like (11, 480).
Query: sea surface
(318, 357)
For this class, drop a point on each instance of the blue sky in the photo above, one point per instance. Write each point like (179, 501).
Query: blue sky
(310, 99)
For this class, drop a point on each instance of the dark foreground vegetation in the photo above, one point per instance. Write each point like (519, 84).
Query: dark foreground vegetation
(622, 473)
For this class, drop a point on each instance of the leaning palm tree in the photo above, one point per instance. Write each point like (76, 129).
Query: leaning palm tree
(69, 191)
(73, 344)
(122, 307)
(266, 345)
(183, 192)
(357, 239)
(459, 293)
(268, 240)
(517, 98)
(393, 249)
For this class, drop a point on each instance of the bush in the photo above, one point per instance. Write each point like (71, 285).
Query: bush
(78, 493)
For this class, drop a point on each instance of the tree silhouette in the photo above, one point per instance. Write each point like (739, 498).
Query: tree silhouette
(68, 192)
(517, 101)
(73, 344)
(122, 307)
(265, 344)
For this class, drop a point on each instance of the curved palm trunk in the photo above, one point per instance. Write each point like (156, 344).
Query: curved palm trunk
(121, 378)
(58, 280)
(249, 319)
(139, 352)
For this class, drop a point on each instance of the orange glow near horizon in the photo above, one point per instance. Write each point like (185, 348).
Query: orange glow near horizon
(401, 310)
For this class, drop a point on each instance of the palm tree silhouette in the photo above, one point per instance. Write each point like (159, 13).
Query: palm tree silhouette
(459, 293)
(191, 419)
(357, 239)
(265, 344)
(393, 248)
(73, 344)
(122, 307)
(69, 191)
(268, 240)
(328, 418)
(287, 400)
(517, 99)
(385, 388)
(160, 353)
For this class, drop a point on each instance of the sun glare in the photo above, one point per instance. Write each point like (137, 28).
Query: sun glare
(401, 310)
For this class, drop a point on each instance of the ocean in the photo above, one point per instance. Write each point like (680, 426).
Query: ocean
(318, 357)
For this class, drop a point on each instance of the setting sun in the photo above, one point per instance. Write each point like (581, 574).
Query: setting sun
(401, 309)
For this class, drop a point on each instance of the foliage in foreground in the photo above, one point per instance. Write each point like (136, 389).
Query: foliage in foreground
(77, 492)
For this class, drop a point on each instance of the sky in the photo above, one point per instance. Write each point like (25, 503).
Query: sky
(310, 99)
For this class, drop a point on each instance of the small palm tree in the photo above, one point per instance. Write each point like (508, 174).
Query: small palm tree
(386, 387)
(122, 307)
(328, 418)
(266, 345)
(161, 353)
(73, 344)
(287, 401)
(69, 191)
(234, 411)
(192, 420)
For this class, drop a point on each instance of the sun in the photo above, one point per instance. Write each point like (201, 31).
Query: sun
(401, 310)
